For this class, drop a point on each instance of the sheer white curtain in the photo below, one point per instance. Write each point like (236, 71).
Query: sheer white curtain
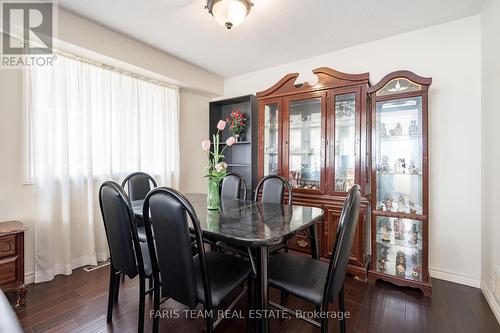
(90, 124)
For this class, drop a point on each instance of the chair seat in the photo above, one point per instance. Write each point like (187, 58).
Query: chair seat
(225, 272)
(300, 276)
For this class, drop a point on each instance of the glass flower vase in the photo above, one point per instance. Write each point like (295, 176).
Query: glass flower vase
(213, 198)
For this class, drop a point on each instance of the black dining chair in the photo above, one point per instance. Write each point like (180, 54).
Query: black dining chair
(316, 281)
(207, 277)
(273, 191)
(128, 256)
(232, 186)
(138, 185)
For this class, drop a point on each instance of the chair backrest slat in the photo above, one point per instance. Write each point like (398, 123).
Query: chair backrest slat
(343, 242)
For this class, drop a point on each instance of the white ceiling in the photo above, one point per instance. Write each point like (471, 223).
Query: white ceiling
(274, 33)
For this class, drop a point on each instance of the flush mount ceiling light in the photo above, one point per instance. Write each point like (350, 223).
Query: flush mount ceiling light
(229, 13)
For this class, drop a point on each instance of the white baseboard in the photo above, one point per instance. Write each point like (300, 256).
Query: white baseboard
(454, 277)
(29, 277)
(492, 301)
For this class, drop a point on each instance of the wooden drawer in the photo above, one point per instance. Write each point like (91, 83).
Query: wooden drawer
(7, 246)
(8, 270)
(300, 243)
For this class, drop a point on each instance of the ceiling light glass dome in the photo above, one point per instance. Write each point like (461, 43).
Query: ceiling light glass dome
(229, 13)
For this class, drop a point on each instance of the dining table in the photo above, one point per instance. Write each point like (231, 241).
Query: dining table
(256, 226)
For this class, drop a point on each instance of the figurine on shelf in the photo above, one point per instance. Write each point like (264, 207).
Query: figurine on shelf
(414, 257)
(413, 169)
(401, 203)
(385, 168)
(398, 168)
(413, 128)
(416, 272)
(385, 234)
(388, 202)
(396, 227)
(383, 130)
(396, 131)
(381, 263)
(400, 227)
(400, 263)
(385, 249)
(414, 235)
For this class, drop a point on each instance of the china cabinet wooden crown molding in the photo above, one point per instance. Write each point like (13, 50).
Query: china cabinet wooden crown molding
(315, 135)
(399, 186)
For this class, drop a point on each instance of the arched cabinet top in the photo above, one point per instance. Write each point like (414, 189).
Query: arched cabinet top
(400, 82)
(327, 78)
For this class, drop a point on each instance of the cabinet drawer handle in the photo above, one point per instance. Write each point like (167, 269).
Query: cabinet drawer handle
(302, 243)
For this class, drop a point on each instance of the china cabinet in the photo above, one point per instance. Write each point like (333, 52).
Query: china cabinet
(399, 186)
(242, 154)
(315, 135)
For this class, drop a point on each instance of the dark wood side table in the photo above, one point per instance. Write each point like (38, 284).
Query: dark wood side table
(12, 260)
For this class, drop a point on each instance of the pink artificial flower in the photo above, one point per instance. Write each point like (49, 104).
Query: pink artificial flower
(221, 125)
(205, 145)
(230, 141)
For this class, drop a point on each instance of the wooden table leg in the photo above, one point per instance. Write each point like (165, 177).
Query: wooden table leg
(262, 294)
(314, 241)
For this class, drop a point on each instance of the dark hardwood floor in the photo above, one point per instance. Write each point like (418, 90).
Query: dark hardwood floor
(77, 303)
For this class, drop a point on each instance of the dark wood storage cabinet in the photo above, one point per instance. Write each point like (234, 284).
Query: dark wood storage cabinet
(243, 154)
(316, 137)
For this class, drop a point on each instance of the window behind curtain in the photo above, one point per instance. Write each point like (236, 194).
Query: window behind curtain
(86, 121)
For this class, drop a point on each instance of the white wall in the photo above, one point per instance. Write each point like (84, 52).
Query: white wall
(451, 55)
(16, 199)
(89, 39)
(490, 284)
(194, 129)
(90, 36)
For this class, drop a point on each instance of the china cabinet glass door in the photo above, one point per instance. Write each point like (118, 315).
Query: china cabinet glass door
(399, 155)
(400, 223)
(271, 139)
(345, 141)
(305, 137)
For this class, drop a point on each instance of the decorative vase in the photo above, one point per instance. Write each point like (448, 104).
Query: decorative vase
(237, 137)
(213, 198)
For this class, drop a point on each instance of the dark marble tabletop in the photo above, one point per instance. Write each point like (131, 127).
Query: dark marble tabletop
(249, 223)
